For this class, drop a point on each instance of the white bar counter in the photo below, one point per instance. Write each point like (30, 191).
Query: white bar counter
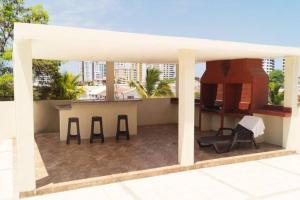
(108, 110)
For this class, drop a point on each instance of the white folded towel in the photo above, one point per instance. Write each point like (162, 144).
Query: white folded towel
(253, 123)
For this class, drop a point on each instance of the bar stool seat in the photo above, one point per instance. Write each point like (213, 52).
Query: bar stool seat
(77, 135)
(122, 132)
(95, 135)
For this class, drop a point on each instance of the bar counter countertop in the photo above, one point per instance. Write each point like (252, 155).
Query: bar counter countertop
(68, 105)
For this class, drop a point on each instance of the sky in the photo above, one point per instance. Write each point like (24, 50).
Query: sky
(274, 22)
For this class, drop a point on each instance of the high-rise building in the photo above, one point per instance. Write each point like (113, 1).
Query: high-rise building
(125, 72)
(100, 71)
(268, 65)
(92, 71)
(283, 65)
(168, 71)
(86, 68)
(96, 71)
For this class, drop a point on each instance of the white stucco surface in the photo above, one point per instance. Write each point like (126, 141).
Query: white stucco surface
(149, 112)
(275, 178)
(69, 43)
(186, 107)
(7, 120)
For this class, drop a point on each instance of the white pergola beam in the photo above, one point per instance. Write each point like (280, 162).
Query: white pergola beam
(57, 42)
(186, 109)
(23, 94)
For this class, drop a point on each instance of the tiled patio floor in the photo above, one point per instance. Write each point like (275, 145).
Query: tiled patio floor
(155, 146)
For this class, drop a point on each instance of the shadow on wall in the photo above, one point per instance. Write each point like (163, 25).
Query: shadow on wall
(150, 112)
(46, 116)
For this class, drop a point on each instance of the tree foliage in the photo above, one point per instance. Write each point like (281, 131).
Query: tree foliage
(276, 81)
(46, 73)
(45, 68)
(12, 11)
(36, 15)
(6, 87)
(69, 87)
(154, 87)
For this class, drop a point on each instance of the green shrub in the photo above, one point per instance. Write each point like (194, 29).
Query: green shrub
(6, 87)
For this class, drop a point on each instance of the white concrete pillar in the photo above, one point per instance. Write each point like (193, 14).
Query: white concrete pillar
(177, 80)
(186, 107)
(291, 124)
(23, 94)
(110, 81)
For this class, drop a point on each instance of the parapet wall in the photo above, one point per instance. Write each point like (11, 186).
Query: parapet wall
(150, 112)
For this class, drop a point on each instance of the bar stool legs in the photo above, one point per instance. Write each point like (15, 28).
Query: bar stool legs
(122, 132)
(69, 135)
(96, 135)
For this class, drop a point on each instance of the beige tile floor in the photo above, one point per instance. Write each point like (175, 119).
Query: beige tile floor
(154, 146)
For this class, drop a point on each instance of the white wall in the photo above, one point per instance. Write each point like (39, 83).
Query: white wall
(46, 116)
(162, 111)
(274, 129)
(7, 119)
(150, 112)
(212, 121)
(157, 111)
(298, 128)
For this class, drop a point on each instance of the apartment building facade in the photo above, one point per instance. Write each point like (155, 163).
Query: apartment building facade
(96, 71)
(268, 65)
(168, 71)
(93, 71)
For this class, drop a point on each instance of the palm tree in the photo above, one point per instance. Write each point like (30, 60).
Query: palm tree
(154, 86)
(69, 86)
(276, 79)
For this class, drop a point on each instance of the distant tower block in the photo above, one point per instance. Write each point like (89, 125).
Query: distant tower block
(283, 65)
(268, 65)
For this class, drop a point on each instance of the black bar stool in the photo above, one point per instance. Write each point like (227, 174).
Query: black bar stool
(96, 135)
(70, 136)
(122, 132)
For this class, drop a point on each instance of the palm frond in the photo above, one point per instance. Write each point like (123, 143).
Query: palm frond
(163, 89)
(68, 85)
(139, 88)
(152, 78)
